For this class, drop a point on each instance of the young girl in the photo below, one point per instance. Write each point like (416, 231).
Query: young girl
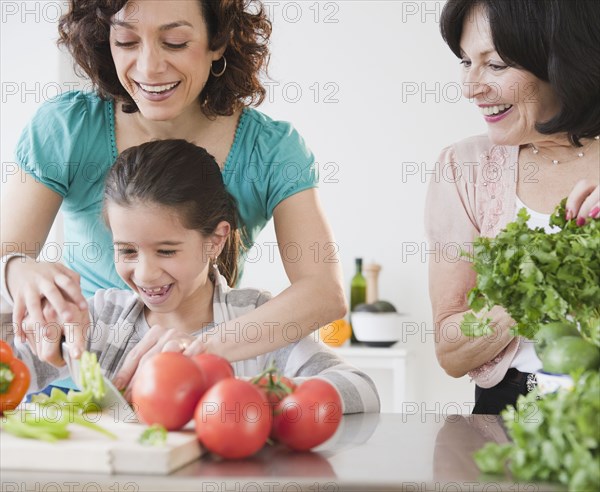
(176, 241)
(177, 69)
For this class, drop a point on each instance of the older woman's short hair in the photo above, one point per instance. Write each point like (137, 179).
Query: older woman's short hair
(241, 25)
(558, 41)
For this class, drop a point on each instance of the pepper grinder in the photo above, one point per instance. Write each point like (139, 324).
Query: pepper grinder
(372, 275)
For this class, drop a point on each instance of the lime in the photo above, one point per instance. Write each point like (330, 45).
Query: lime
(553, 331)
(567, 354)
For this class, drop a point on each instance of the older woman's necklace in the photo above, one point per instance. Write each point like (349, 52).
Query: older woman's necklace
(579, 155)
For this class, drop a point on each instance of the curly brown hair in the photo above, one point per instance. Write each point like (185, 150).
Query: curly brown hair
(242, 25)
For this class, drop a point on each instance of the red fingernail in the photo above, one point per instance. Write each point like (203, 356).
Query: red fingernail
(580, 221)
(594, 212)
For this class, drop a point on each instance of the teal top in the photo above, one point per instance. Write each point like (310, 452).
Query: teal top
(70, 145)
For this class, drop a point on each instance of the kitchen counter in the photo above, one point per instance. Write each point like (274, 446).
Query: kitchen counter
(369, 453)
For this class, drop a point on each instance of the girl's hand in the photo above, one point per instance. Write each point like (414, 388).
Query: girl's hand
(197, 346)
(45, 340)
(30, 282)
(158, 339)
(583, 202)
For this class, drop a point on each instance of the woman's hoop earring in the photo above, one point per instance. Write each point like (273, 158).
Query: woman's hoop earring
(222, 70)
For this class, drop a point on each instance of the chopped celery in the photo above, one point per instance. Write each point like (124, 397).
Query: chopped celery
(155, 435)
(91, 376)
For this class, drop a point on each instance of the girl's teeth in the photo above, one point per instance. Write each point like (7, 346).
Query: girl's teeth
(154, 290)
(155, 89)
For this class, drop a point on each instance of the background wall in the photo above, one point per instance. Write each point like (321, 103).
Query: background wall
(374, 91)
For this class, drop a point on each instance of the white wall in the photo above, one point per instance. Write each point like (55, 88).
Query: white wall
(29, 75)
(373, 89)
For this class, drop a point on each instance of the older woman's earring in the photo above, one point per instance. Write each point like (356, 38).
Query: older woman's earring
(215, 74)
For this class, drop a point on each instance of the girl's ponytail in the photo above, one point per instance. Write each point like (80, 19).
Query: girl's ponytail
(228, 259)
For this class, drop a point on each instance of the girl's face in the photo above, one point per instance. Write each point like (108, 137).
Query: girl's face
(511, 100)
(161, 55)
(161, 260)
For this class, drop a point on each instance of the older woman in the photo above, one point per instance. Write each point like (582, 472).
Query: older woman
(532, 67)
(177, 69)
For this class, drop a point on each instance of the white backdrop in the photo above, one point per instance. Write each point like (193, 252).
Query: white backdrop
(374, 91)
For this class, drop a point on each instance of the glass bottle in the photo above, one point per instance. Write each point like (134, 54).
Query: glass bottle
(358, 292)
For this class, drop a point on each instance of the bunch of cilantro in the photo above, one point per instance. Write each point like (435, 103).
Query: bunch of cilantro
(554, 439)
(538, 277)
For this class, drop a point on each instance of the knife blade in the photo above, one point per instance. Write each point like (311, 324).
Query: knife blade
(112, 399)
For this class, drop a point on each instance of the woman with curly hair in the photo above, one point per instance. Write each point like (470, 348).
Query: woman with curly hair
(178, 69)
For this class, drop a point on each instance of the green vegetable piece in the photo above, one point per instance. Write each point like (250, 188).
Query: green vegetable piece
(491, 458)
(539, 278)
(550, 332)
(567, 354)
(19, 429)
(81, 400)
(49, 415)
(472, 326)
(155, 435)
(56, 397)
(31, 425)
(554, 438)
(91, 376)
(48, 422)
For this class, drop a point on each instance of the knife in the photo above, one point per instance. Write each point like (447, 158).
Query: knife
(112, 399)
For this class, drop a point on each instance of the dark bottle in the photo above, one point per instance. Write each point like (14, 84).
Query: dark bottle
(358, 292)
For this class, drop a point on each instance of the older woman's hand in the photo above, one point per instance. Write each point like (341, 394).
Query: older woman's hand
(46, 339)
(583, 202)
(36, 285)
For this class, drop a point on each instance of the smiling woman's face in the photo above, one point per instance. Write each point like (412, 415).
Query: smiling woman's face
(162, 56)
(511, 100)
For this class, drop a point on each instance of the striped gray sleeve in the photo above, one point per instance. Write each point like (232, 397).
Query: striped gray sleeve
(309, 358)
(42, 373)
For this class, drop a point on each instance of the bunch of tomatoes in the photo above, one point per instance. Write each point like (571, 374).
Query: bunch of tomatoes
(234, 418)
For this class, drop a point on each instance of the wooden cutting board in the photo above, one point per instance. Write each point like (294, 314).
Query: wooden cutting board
(89, 451)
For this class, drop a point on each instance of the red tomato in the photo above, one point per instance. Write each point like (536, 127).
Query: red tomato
(276, 388)
(167, 390)
(214, 368)
(309, 416)
(233, 419)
